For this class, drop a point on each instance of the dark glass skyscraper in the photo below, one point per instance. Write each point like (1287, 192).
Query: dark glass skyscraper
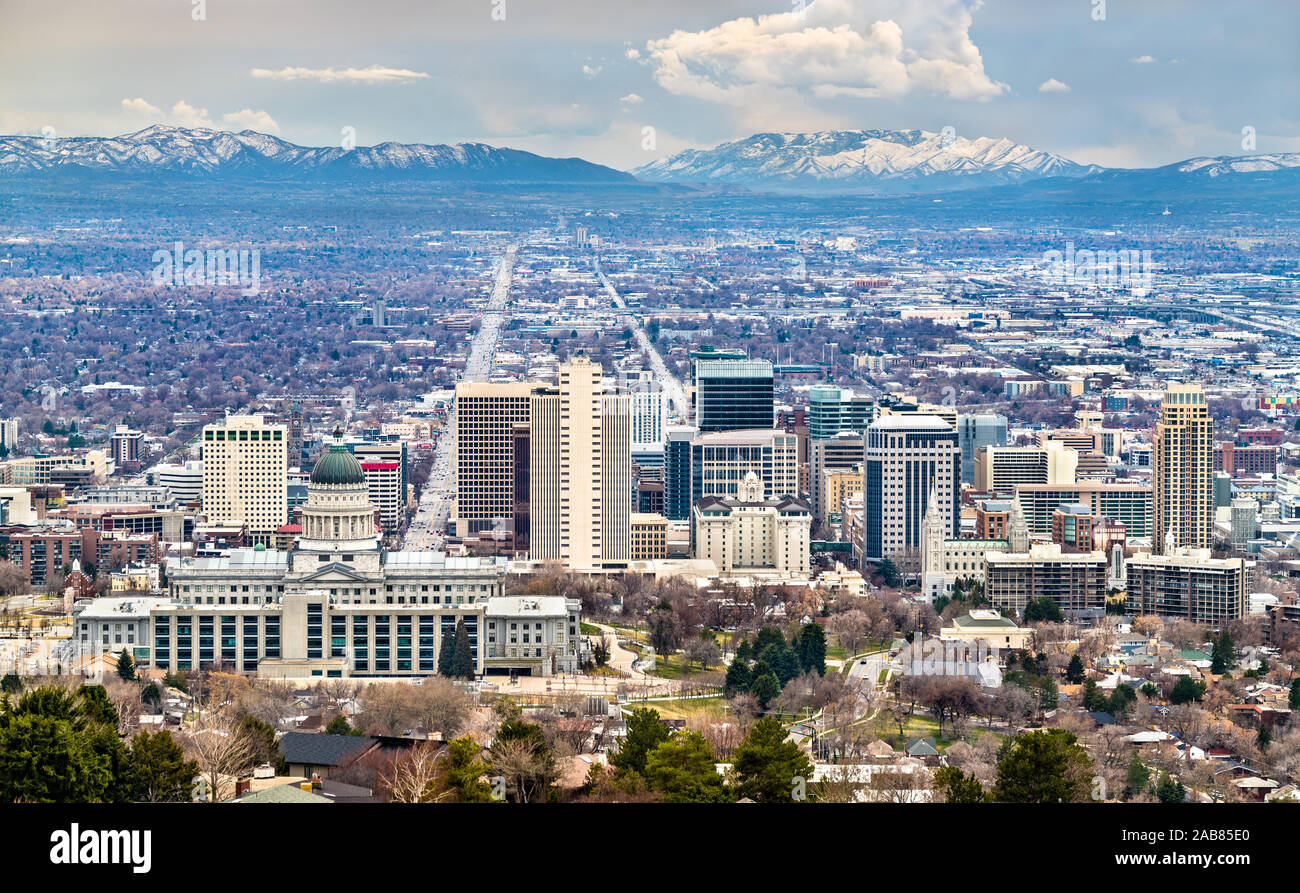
(733, 394)
(677, 471)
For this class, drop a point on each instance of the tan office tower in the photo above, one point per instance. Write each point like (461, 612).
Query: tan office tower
(580, 464)
(1183, 472)
(486, 414)
(244, 477)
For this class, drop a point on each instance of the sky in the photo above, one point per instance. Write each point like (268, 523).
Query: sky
(1120, 83)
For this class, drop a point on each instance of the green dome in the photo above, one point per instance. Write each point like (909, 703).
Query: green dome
(337, 466)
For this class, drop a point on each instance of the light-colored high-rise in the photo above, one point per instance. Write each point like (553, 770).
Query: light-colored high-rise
(244, 477)
(580, 466)
(486, 413)
(908, 460)
(1183, 471)
(1002, 469)
(649, 412)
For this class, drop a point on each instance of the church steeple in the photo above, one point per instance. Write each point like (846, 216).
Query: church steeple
(1017, 528)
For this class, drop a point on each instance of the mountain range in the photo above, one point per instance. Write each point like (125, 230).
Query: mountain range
(218, 153)
(866, 162)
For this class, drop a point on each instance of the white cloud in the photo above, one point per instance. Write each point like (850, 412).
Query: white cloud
(1144, 60)
(139, 106)
(375, 74)
(248, 119)
(633, 53)
(1052, 85)
(187, 115)
(630, 99)
(590, 72)
(859, 48)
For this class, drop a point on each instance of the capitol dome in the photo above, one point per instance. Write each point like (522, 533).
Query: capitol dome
(337, 467)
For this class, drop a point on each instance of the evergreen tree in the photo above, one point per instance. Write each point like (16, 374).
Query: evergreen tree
(338, 726)
(126, 666)
(1263, 739)
(768, 768)
(1293, 699)
(1043, 609)
(59, 747)
(1224, 656)
(262, 738)
(768, 637)
(462, 660)
(1138, 776)
(12, 684)
(645, 732)
(447, 653)
(1170, 791)
(958, 787)
(810, 642)
(1046, 766)
(685, 770)
(765, 688)
(156, 769)
(1074, 672)
(463, 771)
(150, 695)
(1185, 691)
(738, 678)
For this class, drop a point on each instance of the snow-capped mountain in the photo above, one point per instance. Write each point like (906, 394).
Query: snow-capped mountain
(862, 160)
(1238, 164)
(205, 152)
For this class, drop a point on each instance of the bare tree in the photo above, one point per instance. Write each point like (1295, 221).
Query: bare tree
(223, 754)
(412, 776)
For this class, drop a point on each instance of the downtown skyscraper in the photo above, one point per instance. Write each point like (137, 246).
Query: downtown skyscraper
(1183, 472)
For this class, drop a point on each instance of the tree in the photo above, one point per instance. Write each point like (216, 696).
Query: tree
(889, 573)
(684, 768)
(1074, 671)
(663, 628)
(462, 772)
(222, 754)
(1185, 691)
(1044, 766)
(412, 776)
(702, 650)
(447, 653)
(1170, 791)
(156, 769)
(12, 684)
(1263, 739)
(1224, 656)
(261, 737)
(339, 726)
(765, 688)
(738, 677)
(1293, 699)
(810, 643)
(1138, 776)
(645, 732)
(956, 786)
(57, 747)
(462, 660)
(125, 666)
(522, 757)
(770, 769)
(1043, 609)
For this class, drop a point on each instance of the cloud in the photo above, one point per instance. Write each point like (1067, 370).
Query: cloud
(630, 99)
(375, 74)
(139, 106)
(633, 53)
(1052, 85)
(590, 72)
(248, 119)
(831, 48)
(187, 115)
(1144, 60)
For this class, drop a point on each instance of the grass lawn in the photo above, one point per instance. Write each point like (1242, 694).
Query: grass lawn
(684, 708)
(588, 629)
(673, 666)
(922, 725)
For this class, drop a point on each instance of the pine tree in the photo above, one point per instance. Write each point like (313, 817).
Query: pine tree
(811, 644)
(1074, 672)
(738, 677)
(125, 666)
(447, 654)
(1293, 700)
(1138, 776)
(462, 659)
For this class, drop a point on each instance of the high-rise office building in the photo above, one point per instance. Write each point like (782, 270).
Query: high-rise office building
(974, 432)
(907, 458)
(244, 477)
(486, 413)
(1002, 469)
(733, 394)
(384, 464)
(126, 446)
(828, 456)
(1183, 471)
(833, 410)
(677, 471)
(8, 434)
(649, 412)
(580, 466)
(721, 459)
